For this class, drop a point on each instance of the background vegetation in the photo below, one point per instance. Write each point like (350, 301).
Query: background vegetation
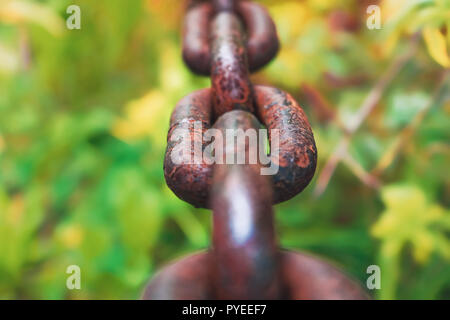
(83, 122)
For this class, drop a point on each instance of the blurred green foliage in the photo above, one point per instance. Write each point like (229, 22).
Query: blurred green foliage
(83, 123)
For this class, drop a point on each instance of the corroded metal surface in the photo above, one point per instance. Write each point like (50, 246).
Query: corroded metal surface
(303, 277)
(262, 41)
(196, 49)
(224, 5)
(262, 44)
(276, 109)
(189, 180)
(231, 87)
(185, 279)
(297, 150)
(244, 261)
(306, 277)
(244, 247)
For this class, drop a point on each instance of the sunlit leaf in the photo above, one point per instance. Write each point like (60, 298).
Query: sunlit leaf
(409, 218)
(22, 11)
(436, 46)
(141, 116)
(9, 60)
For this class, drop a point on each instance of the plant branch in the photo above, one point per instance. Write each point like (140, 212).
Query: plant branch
(368, 105)
(407, 132)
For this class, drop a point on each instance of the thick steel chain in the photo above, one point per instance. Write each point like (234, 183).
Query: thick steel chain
(228, 39)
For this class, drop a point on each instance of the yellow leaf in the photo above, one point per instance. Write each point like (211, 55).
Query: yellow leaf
(392, 8)
(142, 116)
(410, 218)
(2, 143)
(436, 45)
(16, 210)
(71, 236)
(290, 19)
(18, 11)
(9, 61)
(390, 44)
(423, 246)
(323, 4)
(448, 32)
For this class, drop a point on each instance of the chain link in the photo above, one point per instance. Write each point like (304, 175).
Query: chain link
(227, 40)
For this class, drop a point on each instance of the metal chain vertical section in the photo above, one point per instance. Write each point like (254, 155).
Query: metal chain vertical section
(227, 40)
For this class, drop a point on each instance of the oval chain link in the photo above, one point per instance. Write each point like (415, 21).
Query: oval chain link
(227, 40)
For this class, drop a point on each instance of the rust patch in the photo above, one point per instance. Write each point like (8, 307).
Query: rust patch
(262, 40)
(297, 159)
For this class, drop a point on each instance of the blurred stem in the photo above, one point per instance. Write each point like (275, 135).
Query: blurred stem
(389, 264)
(24, 48)
(367, 178)
(368, 105)
(407, 133)
(330, 166)
(375, 95)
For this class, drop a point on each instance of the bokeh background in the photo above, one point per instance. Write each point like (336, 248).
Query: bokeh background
(83, 123)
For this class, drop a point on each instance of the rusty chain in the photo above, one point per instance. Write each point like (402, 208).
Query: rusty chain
(227, 40)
